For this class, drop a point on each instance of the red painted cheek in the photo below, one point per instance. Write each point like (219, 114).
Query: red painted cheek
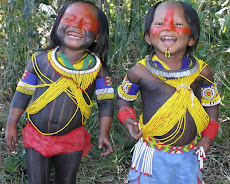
(93, 28)
(155, 31)
(183, 30)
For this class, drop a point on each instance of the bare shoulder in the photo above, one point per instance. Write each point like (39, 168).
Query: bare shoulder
(207, 73)
(104, 72)
(40, 57)
(136, 73)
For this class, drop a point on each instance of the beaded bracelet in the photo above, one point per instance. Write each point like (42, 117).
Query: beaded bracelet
(211, 130)
(126, 112)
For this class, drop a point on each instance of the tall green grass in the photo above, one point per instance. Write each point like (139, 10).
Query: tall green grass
(24, 30)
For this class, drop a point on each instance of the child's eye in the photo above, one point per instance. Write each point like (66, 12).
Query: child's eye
(87, 23)
(178, 24)
(68, 19)
(159, 24)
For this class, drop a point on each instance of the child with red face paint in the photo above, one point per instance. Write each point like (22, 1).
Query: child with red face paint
(63, 78)
(179, 100)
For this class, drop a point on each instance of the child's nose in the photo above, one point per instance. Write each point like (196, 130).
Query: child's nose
(169, 26)
(78, 24)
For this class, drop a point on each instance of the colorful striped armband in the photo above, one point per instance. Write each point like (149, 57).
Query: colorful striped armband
(126, 112)
(104, 89)
(27, 83)
(211, 130)
(210, 95)
(127, 90)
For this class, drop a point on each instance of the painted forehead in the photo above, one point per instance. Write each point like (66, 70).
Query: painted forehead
(163, 7)
(82, 7)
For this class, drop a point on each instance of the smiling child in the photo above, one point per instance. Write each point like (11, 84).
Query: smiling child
(179, 100)
(63, 78)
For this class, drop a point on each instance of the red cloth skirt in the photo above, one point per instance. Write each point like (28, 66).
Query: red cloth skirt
(51, 145)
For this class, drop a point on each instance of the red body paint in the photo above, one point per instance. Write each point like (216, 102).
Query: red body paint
(169, 24)
(82, 18)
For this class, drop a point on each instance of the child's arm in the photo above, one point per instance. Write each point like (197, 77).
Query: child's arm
(21, 99)
(207, 139)
(127, 92)
(127, 116)
(103, 139)
(211, 106)
(18, 106)
(105, 101)
(106, 110)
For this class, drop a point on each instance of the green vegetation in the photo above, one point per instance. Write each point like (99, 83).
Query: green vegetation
(25, 27)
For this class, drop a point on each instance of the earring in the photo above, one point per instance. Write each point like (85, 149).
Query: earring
(167, 53)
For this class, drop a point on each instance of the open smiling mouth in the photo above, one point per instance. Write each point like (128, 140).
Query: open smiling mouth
(168, 39)
(75, 35)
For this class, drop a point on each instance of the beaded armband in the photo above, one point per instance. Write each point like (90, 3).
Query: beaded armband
(104, 89)
(127, 90)
(210, 95)
(27, 83)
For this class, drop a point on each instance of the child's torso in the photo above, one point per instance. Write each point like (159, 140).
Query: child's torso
(155, 92)
(58, 112)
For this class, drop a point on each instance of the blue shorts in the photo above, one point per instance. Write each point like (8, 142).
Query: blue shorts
(181, 168)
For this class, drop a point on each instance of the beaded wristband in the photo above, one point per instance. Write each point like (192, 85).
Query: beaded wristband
(211, 130)
(126, 112)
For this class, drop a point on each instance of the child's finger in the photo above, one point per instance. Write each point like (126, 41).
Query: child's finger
(108, 150)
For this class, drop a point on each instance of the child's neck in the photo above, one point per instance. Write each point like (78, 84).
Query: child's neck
(173, 62)
(72, 55)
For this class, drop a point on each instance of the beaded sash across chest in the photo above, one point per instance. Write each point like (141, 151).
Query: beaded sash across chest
(73, 82)
(173, 111)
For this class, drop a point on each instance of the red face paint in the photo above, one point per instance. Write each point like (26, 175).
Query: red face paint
(81, 16)
(169, 24)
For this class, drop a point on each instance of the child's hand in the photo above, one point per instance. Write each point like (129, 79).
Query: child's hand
(103, 140)
(11, 138)
(206, 142)
(133, 128)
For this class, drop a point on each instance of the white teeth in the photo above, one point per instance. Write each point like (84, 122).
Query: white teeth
(74, 35)
(168, 37)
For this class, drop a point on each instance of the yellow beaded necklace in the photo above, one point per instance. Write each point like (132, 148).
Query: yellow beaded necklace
(173, 112)
(72, 82)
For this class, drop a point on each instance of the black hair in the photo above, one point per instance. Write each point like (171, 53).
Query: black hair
(194, 22)
(191, 17)
(101, 47)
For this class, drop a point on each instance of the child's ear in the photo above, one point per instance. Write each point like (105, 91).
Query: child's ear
(147, 39)
(192, 42)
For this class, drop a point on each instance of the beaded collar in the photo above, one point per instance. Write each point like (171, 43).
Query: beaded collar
(158, 68)
(59, 67)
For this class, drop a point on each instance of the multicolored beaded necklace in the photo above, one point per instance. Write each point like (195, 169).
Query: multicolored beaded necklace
(159, 68)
